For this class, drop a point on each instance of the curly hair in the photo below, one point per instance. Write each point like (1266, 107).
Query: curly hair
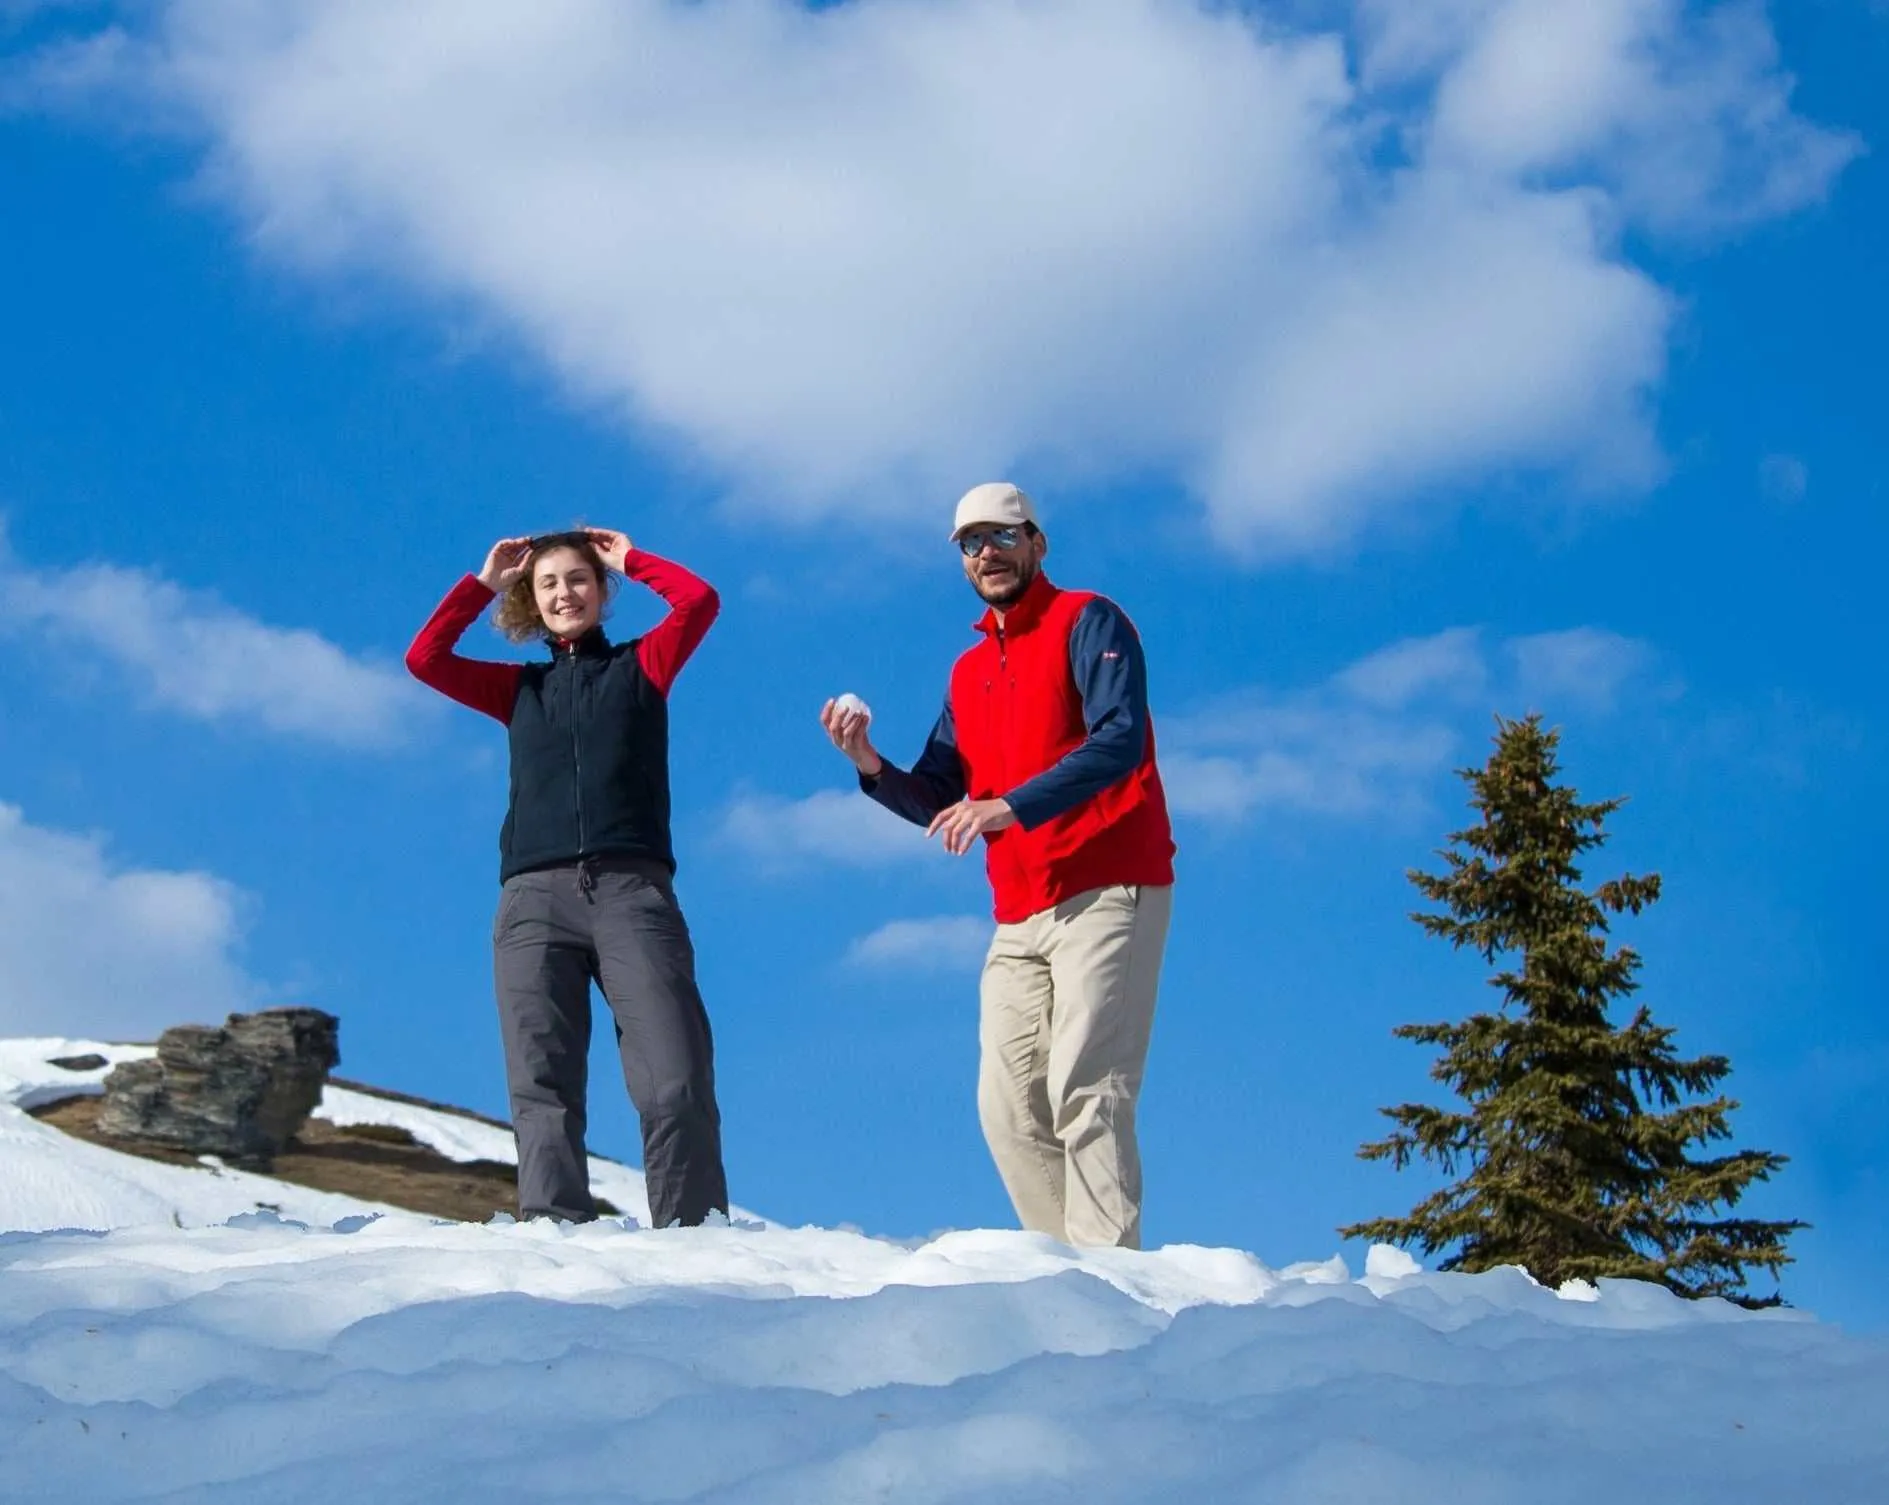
(517, 614)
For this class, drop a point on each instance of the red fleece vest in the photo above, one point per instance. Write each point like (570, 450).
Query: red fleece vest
(1018, 711)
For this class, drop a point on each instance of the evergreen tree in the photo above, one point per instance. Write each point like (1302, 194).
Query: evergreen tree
(1575, 1131)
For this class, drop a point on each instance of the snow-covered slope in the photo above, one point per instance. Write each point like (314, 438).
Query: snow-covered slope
(49, 1180)
(392, 1358)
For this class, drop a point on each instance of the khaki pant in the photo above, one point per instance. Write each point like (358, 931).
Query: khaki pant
(1067, 1008)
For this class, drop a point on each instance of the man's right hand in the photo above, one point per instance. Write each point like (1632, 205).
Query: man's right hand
(848, 729)
(504, 563)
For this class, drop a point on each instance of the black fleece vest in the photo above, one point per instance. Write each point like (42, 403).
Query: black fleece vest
(590, 761)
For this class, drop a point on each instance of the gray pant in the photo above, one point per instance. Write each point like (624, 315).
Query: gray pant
(616, 923)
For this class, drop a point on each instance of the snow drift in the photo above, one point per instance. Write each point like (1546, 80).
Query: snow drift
(171, 1344)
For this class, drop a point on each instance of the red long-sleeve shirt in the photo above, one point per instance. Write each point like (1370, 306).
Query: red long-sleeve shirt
(492, 687)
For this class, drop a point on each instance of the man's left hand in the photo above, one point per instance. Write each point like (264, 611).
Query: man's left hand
(961, 824)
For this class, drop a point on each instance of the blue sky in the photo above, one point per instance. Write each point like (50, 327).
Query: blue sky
(1393, 365)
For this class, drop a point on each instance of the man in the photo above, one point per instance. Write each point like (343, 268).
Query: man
(1046, 751)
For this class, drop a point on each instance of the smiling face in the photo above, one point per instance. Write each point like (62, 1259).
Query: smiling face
(568, 591)
(1001, 576)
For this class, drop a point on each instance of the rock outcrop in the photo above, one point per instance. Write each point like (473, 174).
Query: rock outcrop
(87, 1062)
(239, 1092)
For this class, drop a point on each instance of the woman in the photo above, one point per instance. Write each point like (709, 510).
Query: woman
(586, 862)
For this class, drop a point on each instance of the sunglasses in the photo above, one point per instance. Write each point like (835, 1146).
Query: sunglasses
(973, 543)
(575, 538)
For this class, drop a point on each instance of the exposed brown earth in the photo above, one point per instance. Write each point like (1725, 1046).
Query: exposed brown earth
(374, 1162)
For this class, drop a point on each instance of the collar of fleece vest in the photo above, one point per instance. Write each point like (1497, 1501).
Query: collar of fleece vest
(592, 644)
(1025, 614)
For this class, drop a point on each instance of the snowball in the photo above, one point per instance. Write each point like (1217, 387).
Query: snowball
(851, 702)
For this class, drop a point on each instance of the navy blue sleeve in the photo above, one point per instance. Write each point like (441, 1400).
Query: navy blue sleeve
(936, 779)
(1112, 678)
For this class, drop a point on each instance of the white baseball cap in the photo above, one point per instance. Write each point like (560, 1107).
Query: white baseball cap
(997, 503)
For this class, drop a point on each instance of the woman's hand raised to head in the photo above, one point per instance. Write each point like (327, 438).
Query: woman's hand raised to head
(505, 563)
(613, 546)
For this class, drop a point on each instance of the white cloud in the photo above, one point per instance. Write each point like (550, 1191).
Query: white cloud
(1680, 112)
(833, 826)
(854, 257)
(1374, 737)
(1684, 113)
(90, 948)
(1584, 668)
(1449, 664)
(1404, 40)
(1461, 333)
(189, 652)
(945, 943)
(1314, 758)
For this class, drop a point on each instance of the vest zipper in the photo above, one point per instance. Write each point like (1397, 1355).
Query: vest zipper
(577, 760)
(1005, 706)
(1005, 853)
